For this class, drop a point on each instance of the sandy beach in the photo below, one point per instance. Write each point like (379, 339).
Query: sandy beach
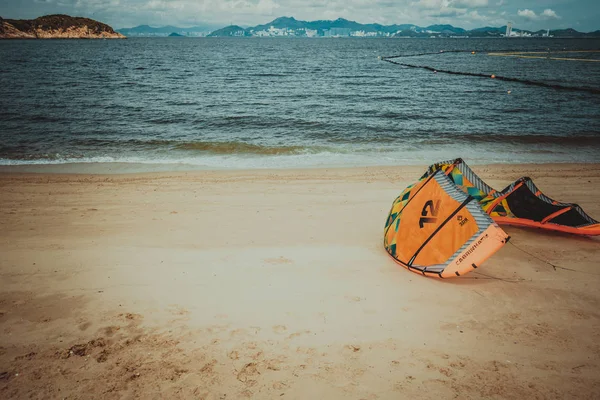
(273, 284)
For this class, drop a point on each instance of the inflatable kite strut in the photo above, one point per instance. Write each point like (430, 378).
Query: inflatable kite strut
(520, 203)
(445, 224)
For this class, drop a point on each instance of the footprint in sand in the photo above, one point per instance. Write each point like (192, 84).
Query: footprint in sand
(579, 314)
(279, 328)
(247, 372)
(110, 330)
(237, 332)
(279, 385)
(353, 347)
(131, 316)
(300, 333)
(83, 326)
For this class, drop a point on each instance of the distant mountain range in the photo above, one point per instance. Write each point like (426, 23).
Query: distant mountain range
(64, 26)
(149, 31)
(289, 26)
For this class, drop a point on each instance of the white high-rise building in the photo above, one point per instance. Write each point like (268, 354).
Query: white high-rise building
(508, 29)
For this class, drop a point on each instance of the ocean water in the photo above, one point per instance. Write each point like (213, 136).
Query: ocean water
(236, 103)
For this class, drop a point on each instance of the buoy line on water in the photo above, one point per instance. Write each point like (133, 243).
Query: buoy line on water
(514, 53)
(537, 54)
(526, 55)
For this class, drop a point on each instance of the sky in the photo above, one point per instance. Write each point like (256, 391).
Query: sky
(583, 15)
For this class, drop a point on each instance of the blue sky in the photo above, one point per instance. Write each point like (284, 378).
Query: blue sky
(583, 15)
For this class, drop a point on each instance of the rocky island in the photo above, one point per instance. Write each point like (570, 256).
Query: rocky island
(56, 27)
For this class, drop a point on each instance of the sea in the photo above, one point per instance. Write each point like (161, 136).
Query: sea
(251, 103)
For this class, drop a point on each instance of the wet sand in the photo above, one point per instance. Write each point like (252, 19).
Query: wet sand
(274, 284)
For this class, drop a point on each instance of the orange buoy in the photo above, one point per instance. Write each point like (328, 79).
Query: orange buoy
(472, 52)
(493, 76)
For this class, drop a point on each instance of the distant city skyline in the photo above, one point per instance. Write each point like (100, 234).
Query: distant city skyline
(583, 15)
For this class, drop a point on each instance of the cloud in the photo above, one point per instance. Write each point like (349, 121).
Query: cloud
(438, 8)
(452, 4)
(549, 13)
(475, 16)
(527, 14)
(469, 3)
(531, 15)
(430, 4)
(446, 12)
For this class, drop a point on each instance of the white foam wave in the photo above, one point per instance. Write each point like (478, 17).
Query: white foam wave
(401, 156)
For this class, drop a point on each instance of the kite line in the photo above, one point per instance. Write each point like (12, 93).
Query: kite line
(549, 263)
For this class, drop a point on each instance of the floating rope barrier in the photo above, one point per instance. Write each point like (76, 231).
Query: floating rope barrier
(513, 53)
(432, 53)
(525, 54)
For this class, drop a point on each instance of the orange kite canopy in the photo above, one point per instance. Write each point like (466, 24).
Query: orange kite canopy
(436, 229)
(520, 203)
(445, 225)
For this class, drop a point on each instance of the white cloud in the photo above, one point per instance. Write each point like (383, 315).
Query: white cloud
(438, 8)
(475, 16)
(527, 14)
(549, 13)
(531, 15)
(469, 3)
(430, 4)
(447, 12)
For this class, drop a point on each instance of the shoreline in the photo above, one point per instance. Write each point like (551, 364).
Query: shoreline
(275, 284)
(117, 168)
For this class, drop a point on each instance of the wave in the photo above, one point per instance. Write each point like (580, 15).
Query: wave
(387, 137)
(247, 148)
(40, 157)
(524, 139)
(376, 145)
(213, 147)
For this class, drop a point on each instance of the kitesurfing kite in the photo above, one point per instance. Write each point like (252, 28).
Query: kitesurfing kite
(436, 229)
(446, 224)
(520, 203)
